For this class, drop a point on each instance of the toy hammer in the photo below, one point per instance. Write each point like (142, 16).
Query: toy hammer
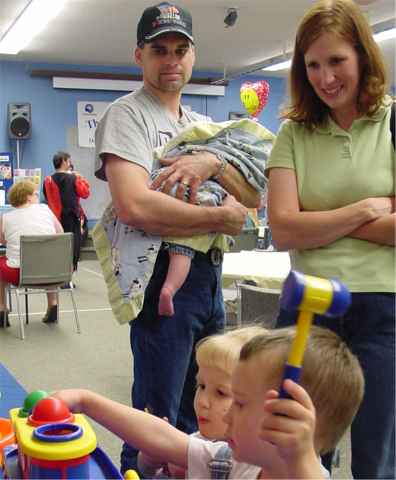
(309, 295)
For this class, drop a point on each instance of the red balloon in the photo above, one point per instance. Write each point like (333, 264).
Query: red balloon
(254, 96)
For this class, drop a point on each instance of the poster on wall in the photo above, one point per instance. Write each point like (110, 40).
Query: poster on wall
(5, 176)
(88, 115)
(31, 174)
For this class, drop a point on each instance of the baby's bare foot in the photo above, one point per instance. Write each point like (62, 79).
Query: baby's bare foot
(165, 306)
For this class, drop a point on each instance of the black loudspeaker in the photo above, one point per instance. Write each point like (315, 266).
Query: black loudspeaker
(19, 120)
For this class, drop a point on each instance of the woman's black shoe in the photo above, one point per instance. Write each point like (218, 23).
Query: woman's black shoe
(52, 315)
(4, 322)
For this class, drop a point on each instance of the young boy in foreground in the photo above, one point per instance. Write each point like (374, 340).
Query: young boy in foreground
(216, 357)
(270, 437)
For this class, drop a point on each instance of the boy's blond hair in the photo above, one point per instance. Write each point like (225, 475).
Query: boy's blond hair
(331, 375)
(18, 194)
(222, 350)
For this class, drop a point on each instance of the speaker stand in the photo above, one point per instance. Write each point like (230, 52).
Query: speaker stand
(18, 152)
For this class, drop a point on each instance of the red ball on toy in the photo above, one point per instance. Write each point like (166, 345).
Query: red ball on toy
(50, 410)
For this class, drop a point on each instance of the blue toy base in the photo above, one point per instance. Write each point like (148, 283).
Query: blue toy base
(100, 465)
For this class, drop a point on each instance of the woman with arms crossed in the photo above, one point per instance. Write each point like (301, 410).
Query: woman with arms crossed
(331, 203)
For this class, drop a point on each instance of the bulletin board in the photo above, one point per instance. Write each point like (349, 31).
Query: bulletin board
(31, 174)
(6, 176)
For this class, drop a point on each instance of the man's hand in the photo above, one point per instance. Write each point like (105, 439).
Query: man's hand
(235, 218)
(189, 171)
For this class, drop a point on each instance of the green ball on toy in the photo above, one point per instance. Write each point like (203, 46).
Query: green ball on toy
(30, 402)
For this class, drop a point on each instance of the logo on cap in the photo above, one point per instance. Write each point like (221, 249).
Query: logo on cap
(168, 14)
(164, 18)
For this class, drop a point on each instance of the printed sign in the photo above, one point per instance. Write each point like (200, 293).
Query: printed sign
(88, 115)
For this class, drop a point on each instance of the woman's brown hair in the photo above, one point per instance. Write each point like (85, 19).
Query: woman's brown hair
(345, 19)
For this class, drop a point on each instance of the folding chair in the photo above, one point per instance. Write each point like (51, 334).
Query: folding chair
(46, 264)
(257, 305)
(246, 240)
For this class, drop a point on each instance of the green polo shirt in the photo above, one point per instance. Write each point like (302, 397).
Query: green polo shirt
(335, 168)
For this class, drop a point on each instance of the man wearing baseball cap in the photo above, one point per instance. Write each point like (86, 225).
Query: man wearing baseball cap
(131, 128)
(164, 18)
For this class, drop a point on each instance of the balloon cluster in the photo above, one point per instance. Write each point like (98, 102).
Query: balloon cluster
(254, 96)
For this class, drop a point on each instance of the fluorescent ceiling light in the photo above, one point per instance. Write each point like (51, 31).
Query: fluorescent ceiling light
(378, 37)
(278, 66)
(385, 35)
(29, 23)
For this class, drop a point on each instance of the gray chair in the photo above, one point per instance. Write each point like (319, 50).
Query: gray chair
(257, 305)
(46, 264)
(246, 240)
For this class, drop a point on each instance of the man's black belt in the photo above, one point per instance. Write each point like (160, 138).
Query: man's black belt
(214, 256)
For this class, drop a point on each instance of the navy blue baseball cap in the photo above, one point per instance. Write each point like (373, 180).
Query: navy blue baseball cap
(164, 18)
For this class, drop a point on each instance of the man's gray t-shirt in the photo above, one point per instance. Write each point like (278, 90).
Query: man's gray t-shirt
(134, 125)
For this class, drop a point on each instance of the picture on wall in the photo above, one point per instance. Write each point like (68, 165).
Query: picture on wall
(5, 176)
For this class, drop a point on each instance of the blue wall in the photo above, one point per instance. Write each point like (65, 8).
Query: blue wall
(219, 107)
(55, 110)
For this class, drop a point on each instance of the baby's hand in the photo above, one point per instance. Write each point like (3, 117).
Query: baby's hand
(290, 425)
(73, 398)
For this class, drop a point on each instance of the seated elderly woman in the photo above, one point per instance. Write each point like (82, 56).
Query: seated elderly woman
(28, 217)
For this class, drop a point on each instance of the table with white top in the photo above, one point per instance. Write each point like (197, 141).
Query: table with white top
(267, 269)
(258, 276)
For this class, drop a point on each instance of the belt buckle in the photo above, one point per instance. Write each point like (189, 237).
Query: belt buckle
(216, 256)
